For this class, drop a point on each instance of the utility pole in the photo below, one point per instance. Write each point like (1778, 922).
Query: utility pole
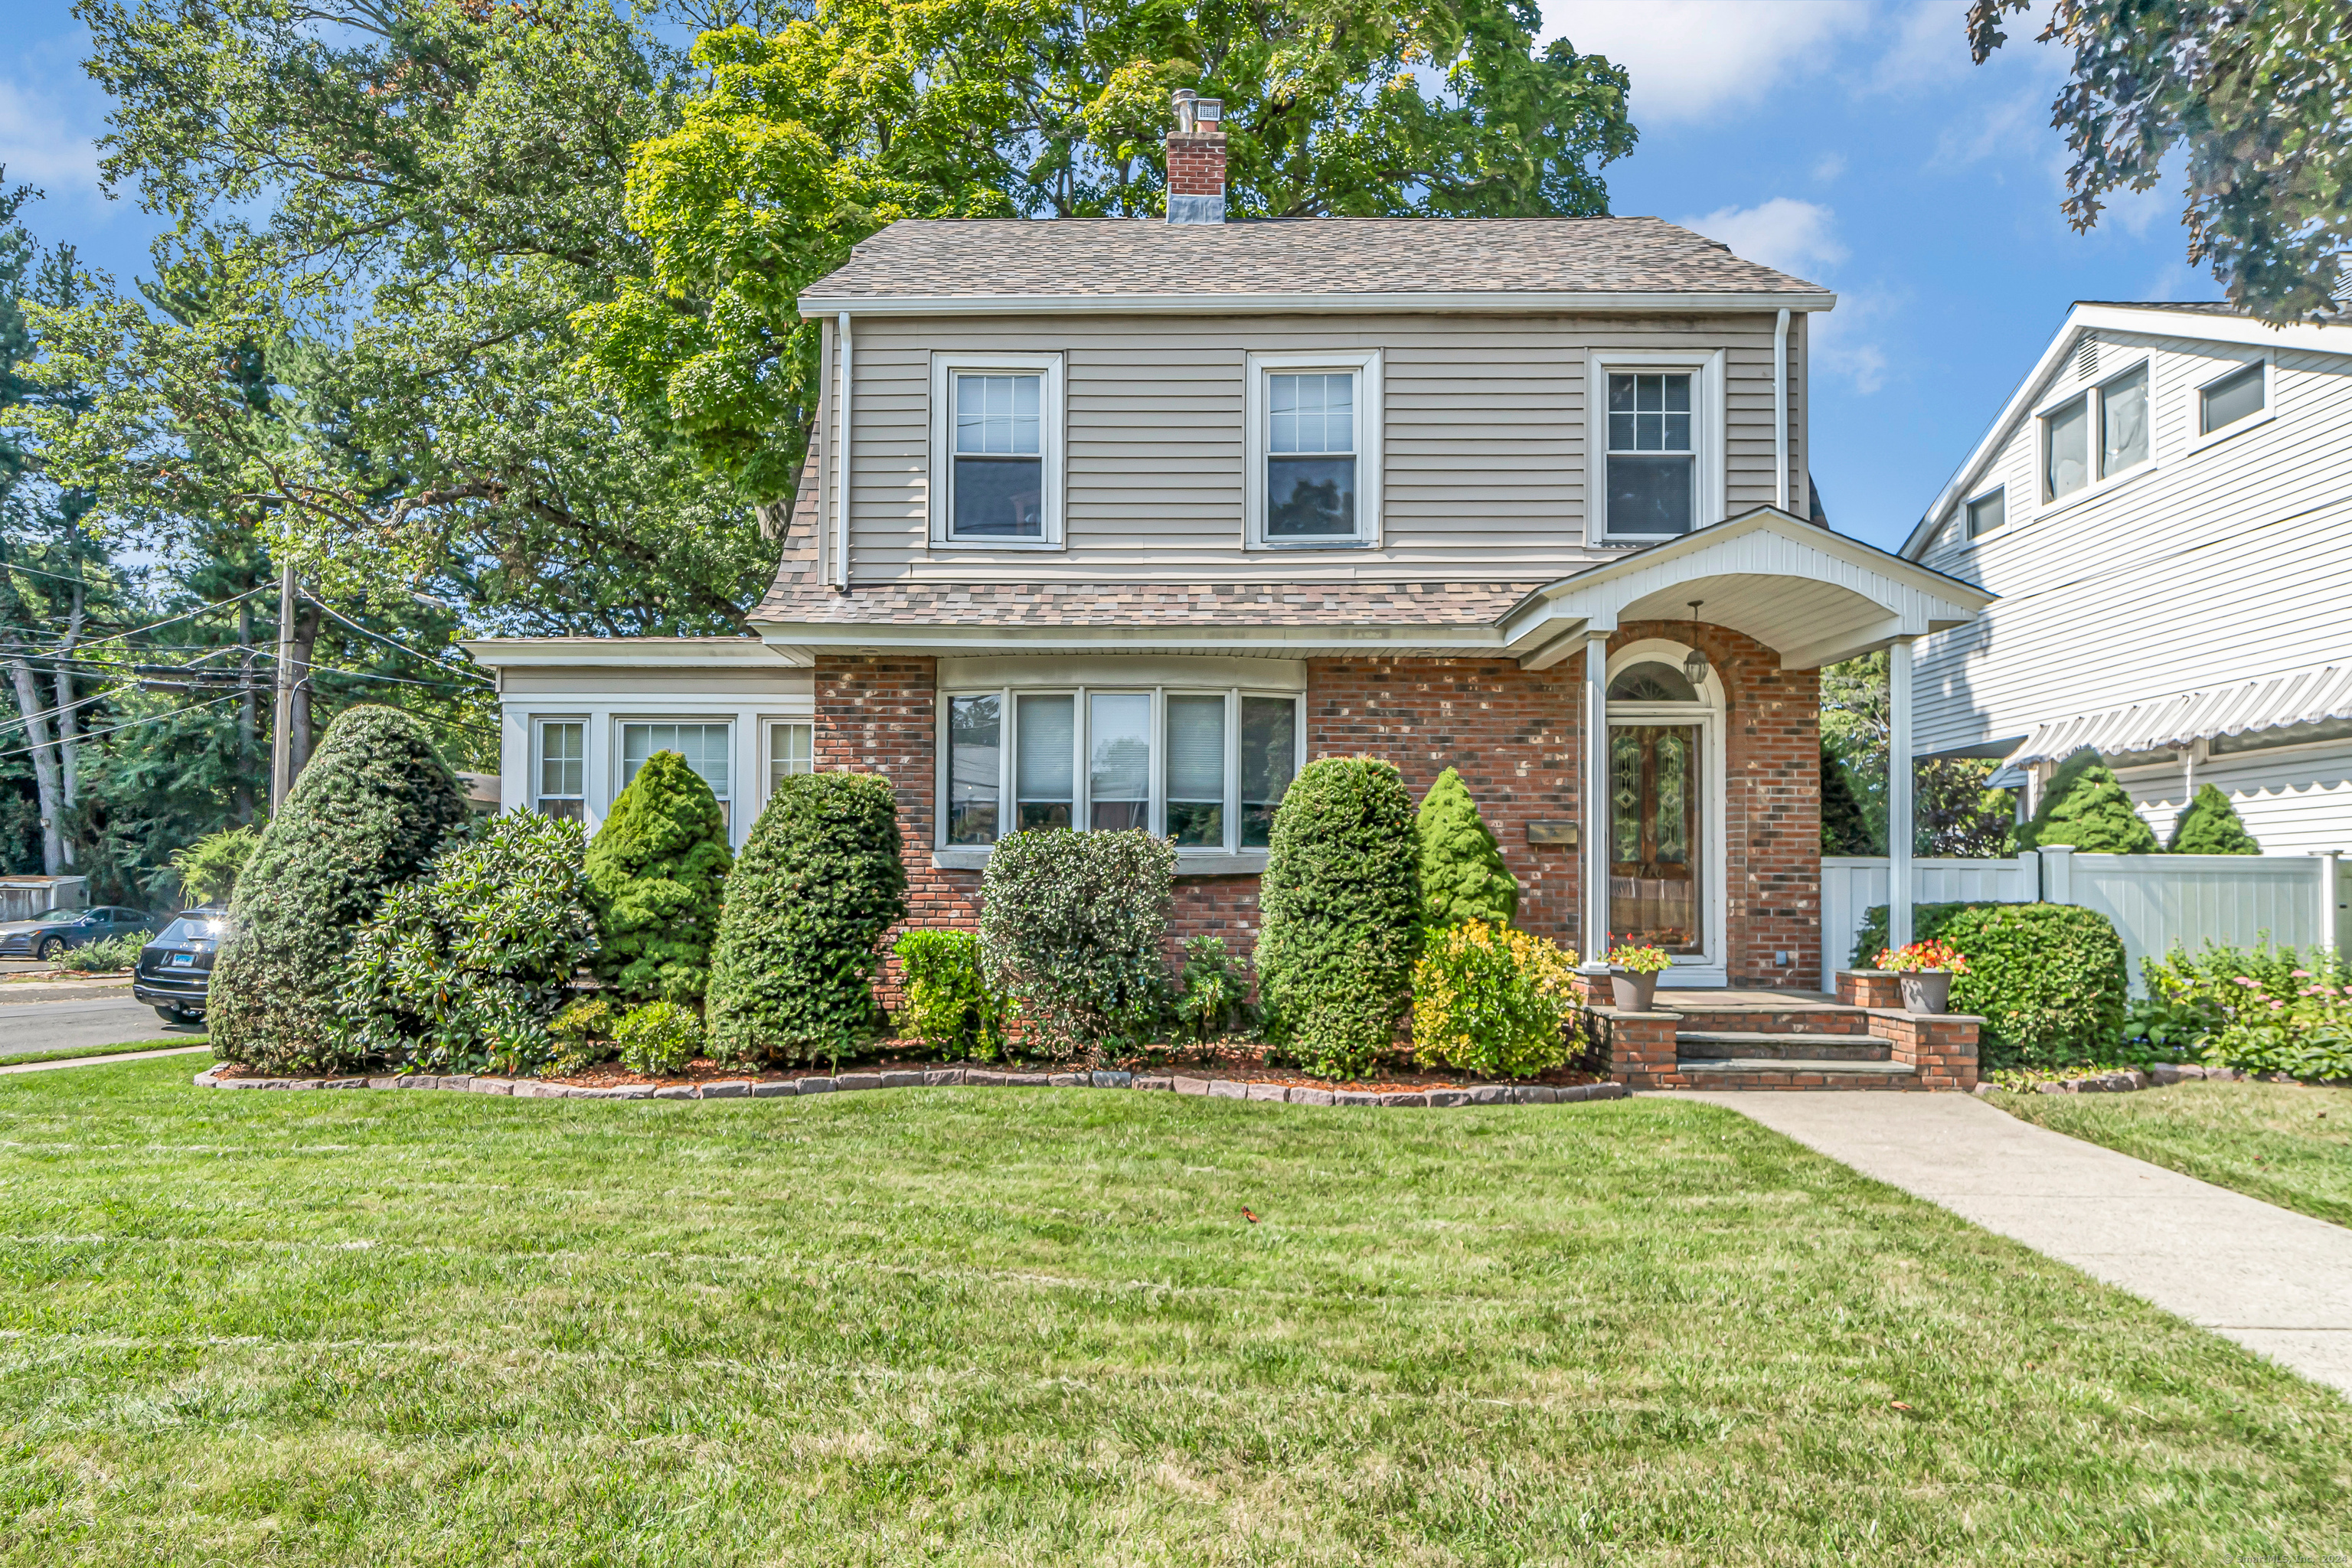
(281, 720)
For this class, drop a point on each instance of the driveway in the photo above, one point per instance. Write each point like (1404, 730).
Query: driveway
(37, 1018)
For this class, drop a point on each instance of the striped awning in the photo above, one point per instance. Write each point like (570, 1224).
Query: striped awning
(2299, 697)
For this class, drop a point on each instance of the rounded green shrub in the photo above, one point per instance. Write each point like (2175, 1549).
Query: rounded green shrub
(2211, 826)
(950, 1009)
(2084, 806)
(817, 885)
(655, 873)
(1341, 904)
(1071, 928)
(583, 1033)
(1490, 1000)
(1462, 877)
(2049, 980)
(376, 803)
(462, 970)
(659, 1040)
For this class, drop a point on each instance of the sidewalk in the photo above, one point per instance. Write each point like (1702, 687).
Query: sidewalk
(2278, 1283)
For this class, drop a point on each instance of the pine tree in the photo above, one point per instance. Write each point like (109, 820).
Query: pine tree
(1846, 826)
(2085, 808)
(2211, 826)
(656, 870)
(1462, 877)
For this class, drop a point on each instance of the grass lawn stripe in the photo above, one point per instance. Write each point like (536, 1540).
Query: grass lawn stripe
(1031, 1326)
(71, 1052)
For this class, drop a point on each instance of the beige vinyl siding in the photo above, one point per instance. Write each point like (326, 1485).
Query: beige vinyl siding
(2223, 561)
(1483, 440)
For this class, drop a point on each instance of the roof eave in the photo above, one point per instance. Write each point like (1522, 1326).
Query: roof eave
(1449, 302)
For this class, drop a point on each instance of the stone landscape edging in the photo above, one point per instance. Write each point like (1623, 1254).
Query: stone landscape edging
(945, 1077)
(2123, 1080)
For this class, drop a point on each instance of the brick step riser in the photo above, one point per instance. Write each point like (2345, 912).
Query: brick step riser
(1880, 1081)
(1812, 1021)
(1814, 1048)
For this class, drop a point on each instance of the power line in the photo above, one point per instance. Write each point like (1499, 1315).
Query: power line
(134, 724)
(388, 642)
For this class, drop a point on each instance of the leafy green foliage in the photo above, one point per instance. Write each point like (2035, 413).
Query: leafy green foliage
(583, 1033)
(1071, 927)
(817, 885)
(656, 872)
(208, 867)
(103, 957)
(2211, 826)
(461, 969)
(1462, 877)
(1953, 813)
(2048, 980)
(1494, 1000)
(2252, 95)
(949, 1006)
(2084, 806)
(373, 808)
(660, 1039)
(2268, 1010)
(1928, 921)
(1213, 999)
(1846, 830)
(809, 139)
(1340, 900)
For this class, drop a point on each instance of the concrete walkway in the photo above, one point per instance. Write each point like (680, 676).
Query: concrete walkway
(95, 1061)
(2276, 1283)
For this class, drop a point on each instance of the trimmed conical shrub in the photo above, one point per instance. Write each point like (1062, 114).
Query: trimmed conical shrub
(656, 870)
(2084, 806)
(818, 883)
(2211, 826)
(372, 809)
(1462, 877)
(1341, 901)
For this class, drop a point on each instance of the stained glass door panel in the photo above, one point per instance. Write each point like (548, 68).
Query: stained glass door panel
(1655, 895)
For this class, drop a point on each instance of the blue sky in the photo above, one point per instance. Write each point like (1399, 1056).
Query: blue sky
(1849, 141)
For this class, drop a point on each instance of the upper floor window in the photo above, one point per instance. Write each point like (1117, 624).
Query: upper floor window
(705, 747)
(996, 461)
(1988, 512)
(1653, 466)
(1314, 450)
(2240, 395)
(2096, 434)
(562, 769)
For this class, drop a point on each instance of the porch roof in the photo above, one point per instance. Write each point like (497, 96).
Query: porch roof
(2295, 696)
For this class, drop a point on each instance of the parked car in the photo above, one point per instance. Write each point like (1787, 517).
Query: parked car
(49, 933)
(175, 970)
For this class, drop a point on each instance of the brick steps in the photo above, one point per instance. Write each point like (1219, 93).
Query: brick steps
(1747, 1045)
(1763, 1040)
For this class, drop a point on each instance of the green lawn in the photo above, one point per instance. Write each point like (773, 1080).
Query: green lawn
(71, 1052)
(2280, 1143)
(1034, 1327)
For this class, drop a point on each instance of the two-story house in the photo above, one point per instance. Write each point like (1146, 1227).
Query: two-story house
(2165, 509)
(1115, 525)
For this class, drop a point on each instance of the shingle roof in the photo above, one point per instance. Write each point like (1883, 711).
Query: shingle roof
(1012, 259)
(1163, 604)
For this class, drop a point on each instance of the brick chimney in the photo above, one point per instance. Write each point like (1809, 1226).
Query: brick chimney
(1196, 160)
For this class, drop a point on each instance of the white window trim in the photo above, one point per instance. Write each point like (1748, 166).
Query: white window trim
(1710, 965)
(2199, 436)
(940, 500)
(619, 763)
(765, 748)
(1969, 536)
(538, 723)
(1192, 860)
(2100, 483)
(1710, 441)
(1371, 416)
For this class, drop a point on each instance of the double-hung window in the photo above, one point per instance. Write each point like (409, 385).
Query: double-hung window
(2096, 434)
(1656, 433)
(706, 748)
(791, 750)
(1206, 768)
(1314, 450)
(996, 451)
(562, 768)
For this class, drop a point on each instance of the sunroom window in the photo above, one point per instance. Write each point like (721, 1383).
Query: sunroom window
(563, 769)
(705, 747)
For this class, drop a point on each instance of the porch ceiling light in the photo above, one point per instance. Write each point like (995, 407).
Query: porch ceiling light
(1696, 666)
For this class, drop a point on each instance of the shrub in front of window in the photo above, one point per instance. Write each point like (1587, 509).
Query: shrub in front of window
(1071, 926)
(374, 807)
(1214, 998)
(817, 885)
(1340, 899)
(2210, 826)
(2084, 806)
(1490, 1000)
(950, 1008)
(462, 970)
(660, 1039)
(655, 874)
(1462, 877)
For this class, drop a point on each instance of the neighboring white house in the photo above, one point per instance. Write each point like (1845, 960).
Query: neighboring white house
(2164, 510)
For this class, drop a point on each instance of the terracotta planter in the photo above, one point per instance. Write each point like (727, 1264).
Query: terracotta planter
(1634, 992)
(1927, 991)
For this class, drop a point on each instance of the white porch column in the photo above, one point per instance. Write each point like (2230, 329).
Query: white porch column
(1596, 800)
(1899, 793)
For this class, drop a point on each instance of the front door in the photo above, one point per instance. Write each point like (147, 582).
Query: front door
(1656, 894)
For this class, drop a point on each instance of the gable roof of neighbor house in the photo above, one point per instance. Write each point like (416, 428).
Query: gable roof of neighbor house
(1008, 264)
(2208, 320)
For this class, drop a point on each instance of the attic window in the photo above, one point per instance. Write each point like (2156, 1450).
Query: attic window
(2237, 395)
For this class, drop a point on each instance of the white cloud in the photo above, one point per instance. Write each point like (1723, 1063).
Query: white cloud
(1784, 234)
(1843, 344)
(40, 143)
(1930, 48)
(1691, 59)
(1828, 167)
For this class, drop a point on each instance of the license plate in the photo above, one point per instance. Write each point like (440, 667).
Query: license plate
(183, 961)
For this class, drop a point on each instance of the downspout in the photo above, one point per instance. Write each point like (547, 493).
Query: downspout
(1780, 411)
(842, 466)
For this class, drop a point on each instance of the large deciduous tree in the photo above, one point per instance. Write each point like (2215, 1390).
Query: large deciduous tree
(808, 138)
(2258, 97)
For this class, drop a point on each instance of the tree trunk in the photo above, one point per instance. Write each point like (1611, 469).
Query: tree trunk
(68, 716)
(306, 639)
(247, 713)
(45, 758)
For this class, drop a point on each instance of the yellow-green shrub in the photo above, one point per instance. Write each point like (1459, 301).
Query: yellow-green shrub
(1488, 999)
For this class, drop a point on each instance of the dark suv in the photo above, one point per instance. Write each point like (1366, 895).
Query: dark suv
(175, 970)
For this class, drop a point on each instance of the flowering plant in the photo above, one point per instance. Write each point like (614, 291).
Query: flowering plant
(1922, 957)
(1635, 959)
(2260, 1011)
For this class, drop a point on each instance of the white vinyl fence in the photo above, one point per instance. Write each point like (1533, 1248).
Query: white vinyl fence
(2157, 901)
